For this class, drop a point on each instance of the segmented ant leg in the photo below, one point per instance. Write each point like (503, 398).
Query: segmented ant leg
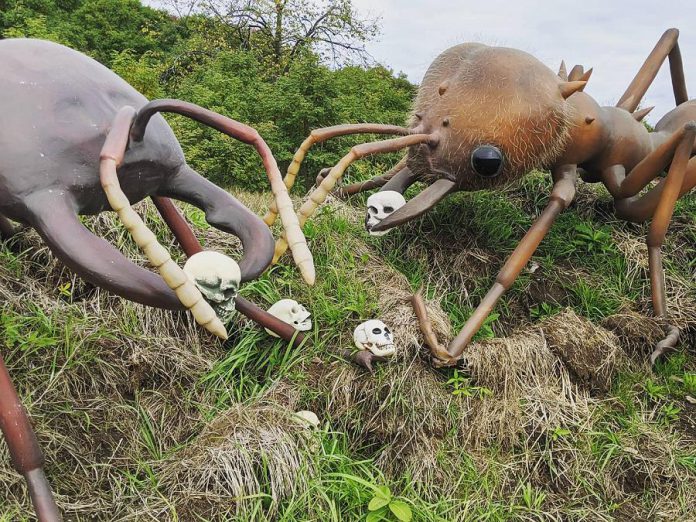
(319, 136)
(189, 243)
(647, 170)
(248, 135)
(667, 46)
(362, 186)
(426, 326)
(562, 195)
(398, 180)
(658, 228)
(319, 195)
(24, 448)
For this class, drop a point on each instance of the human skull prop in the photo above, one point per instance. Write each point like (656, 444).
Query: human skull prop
(291, 312)
(379, 206)
(376, 337)
(217, 277)
(307, 418)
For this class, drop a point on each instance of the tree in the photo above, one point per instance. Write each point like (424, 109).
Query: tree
(283, 29)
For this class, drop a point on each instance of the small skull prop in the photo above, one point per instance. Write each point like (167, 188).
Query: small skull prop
(291, 312)
(217, 277)
(379, 206)
(375, 337)
(307, 418)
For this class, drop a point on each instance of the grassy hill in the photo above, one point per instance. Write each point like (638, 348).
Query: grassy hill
(143, 416)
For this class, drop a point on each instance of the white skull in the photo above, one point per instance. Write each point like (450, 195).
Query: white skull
(375, 336)
(307, 418)
(379, 206)
(217, 277)
(291, 312)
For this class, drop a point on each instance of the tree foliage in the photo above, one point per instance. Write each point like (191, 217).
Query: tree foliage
(284, 29)
(206, 60)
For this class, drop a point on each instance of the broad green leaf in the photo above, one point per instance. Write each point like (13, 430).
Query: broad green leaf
(401, 510)
(376, 516)
(377, 503)
(383, 492)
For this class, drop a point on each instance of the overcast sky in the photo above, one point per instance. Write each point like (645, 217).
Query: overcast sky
(613, 36)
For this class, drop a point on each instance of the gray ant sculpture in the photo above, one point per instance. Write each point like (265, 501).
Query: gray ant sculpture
(72, 134)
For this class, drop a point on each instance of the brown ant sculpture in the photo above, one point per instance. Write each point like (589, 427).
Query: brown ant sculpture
(72, 133)
(485, 116)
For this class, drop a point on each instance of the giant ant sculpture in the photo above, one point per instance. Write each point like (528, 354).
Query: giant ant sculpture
(485, 116)
(72, 133)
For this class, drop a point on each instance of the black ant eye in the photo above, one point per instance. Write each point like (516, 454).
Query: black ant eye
(487, 161)
(376, 331)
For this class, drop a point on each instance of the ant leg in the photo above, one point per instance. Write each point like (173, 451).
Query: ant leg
(656, 236)
(623, 187)
(362, 186)
(667, 46)
(189, 243)
(396, 181)
(641, 208)
(561, 196)
(319, 136)
(319, 195)
(25, 453)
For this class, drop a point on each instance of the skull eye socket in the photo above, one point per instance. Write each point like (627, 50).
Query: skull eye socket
(293, 310)
(377, 331)
(389, 210)
(372, 210)
(386, 329)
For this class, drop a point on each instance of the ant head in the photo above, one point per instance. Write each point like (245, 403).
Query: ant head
(497, 113)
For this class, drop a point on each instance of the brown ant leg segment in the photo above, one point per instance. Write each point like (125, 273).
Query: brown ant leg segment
(24, 448)
(667, 46)
(650, 167)
(562, 195)
(398, 181)
(363, 358)
(640, 208)
(426, 326)
(362, 186)
(669, 191)
(319, 136)
(189, 243)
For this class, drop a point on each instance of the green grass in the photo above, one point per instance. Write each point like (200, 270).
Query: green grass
(123, 397)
